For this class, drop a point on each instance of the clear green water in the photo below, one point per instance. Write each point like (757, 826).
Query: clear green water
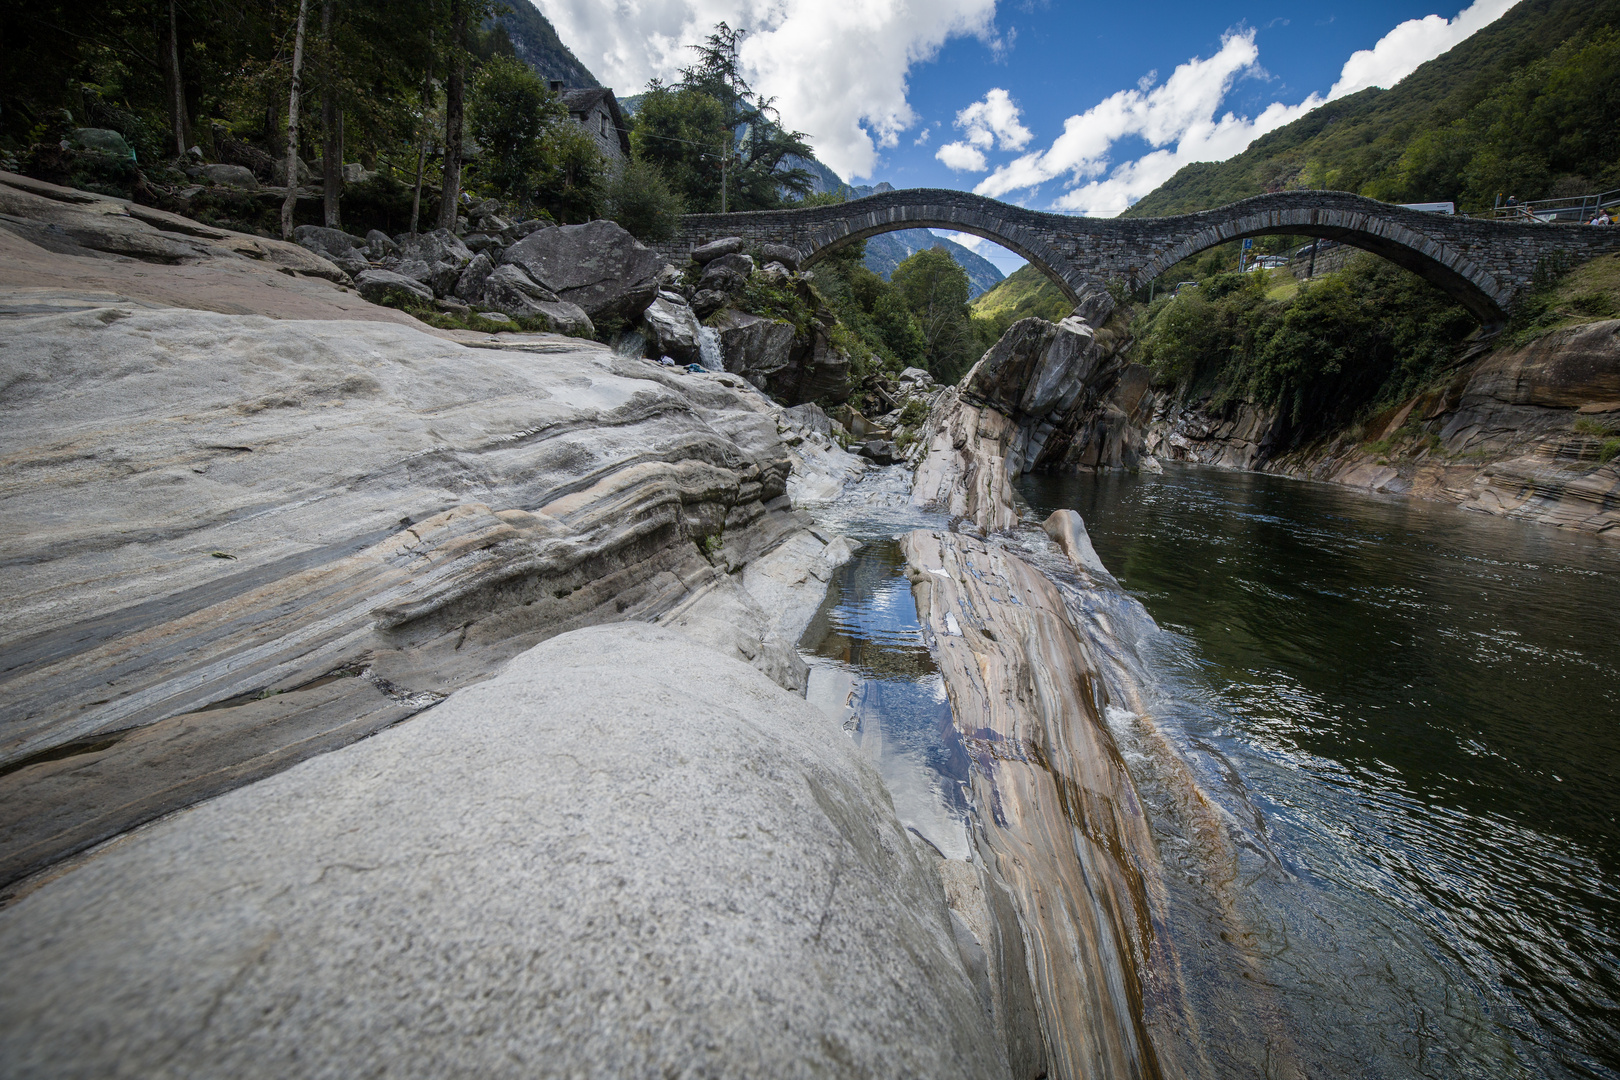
(1411, 716)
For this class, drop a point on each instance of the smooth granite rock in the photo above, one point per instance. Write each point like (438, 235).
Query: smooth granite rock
(753, 346)
(509, 290)
(726, 274)
(673, 328)
(626, 855)
(598, 266)
(705, 253)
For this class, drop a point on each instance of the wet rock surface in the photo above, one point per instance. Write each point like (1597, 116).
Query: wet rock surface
(1063, 831)
(625, 855)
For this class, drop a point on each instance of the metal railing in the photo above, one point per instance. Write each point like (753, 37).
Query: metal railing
(1579, 209)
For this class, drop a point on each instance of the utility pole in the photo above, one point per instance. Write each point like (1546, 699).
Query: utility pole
(725, 161)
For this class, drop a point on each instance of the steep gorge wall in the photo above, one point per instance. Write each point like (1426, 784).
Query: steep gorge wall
(1517, 433)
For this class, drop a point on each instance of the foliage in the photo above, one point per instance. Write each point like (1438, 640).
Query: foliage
(572, 174)
(935, 289)
(1558, 300)
(713, 118)
(1370, 334)
(1523, 107)
(867, 306)
(512, 111)
(639, 198)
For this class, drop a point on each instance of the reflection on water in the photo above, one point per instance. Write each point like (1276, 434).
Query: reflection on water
(1409, 715)
(870, 667)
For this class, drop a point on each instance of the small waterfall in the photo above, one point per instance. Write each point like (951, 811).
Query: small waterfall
(709, 349)
(630, 343)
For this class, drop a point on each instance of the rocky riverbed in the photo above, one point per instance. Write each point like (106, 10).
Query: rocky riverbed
(388, 696)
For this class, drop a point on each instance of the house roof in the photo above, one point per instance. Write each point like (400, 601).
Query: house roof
(581, 102)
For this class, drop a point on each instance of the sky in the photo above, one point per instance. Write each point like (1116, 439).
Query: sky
(1071, 107)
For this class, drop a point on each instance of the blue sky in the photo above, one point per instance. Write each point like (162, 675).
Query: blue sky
(1077, 107)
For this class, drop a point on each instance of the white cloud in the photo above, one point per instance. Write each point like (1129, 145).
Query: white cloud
(1184, 103)
(985, 124)
(837, 68)
(962, 157)
(1412, 43)
(922, 139)
(1181, 119)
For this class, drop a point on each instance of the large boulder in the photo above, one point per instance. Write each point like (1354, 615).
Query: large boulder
(753, 346)
(673, 328)
(386, 287)
(781, 253)
(625, 855)
(598, 266)
(705, 253)
(728, 273)
(231, 175)
(470, 285)
(278, 172)
(333, 244)
(1037, 369)
(379, 245)
(510, 291)
(435, 258)
(103, 141)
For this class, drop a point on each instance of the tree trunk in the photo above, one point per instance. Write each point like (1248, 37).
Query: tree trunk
(331, 125)
(292, 125)
(421, 152)
(177, 87)
(454, 104)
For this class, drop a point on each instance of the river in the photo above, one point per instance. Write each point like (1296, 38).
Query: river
(1410, 718)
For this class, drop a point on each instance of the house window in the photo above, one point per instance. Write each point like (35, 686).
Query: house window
(601, 122)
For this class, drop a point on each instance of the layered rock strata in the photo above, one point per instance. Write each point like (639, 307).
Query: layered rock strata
(237, 542)
(1060, 830)
(1520, 432)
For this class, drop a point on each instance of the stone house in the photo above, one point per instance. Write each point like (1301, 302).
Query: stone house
(597, 110)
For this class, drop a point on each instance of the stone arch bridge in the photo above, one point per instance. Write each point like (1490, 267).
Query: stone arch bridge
(1485, 265)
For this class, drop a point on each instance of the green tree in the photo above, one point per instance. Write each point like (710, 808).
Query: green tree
(935, 289)
(572, 172)
(640, 199)
(718, 142)
(512, 112)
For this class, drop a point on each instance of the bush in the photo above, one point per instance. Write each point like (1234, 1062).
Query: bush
(1370, 333)
(640, 199)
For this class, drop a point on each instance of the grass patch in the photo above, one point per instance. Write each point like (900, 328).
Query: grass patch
(1588, 293)
(1608, 451)
(1586, 425)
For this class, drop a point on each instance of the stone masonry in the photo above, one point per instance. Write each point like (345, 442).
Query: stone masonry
(1484, 265)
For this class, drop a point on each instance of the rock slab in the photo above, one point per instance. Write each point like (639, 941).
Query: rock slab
(624, 856)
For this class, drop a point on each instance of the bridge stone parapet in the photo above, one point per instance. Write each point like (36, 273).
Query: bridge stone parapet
(1485, 265)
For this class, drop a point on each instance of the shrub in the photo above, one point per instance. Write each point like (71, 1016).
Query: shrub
(640, 199)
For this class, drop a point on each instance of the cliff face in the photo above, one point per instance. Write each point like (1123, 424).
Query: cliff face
(1521, 432)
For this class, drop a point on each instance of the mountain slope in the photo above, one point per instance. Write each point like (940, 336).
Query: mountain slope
(1433, 135)
(536, 43)
(887, 251)
(1026, 292)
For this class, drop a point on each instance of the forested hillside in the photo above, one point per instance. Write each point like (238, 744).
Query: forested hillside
(536, 43)
(1526, 107)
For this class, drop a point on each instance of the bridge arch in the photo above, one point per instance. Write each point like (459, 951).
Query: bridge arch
(1059, 269)
(1448, 267)
(1484, 265)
